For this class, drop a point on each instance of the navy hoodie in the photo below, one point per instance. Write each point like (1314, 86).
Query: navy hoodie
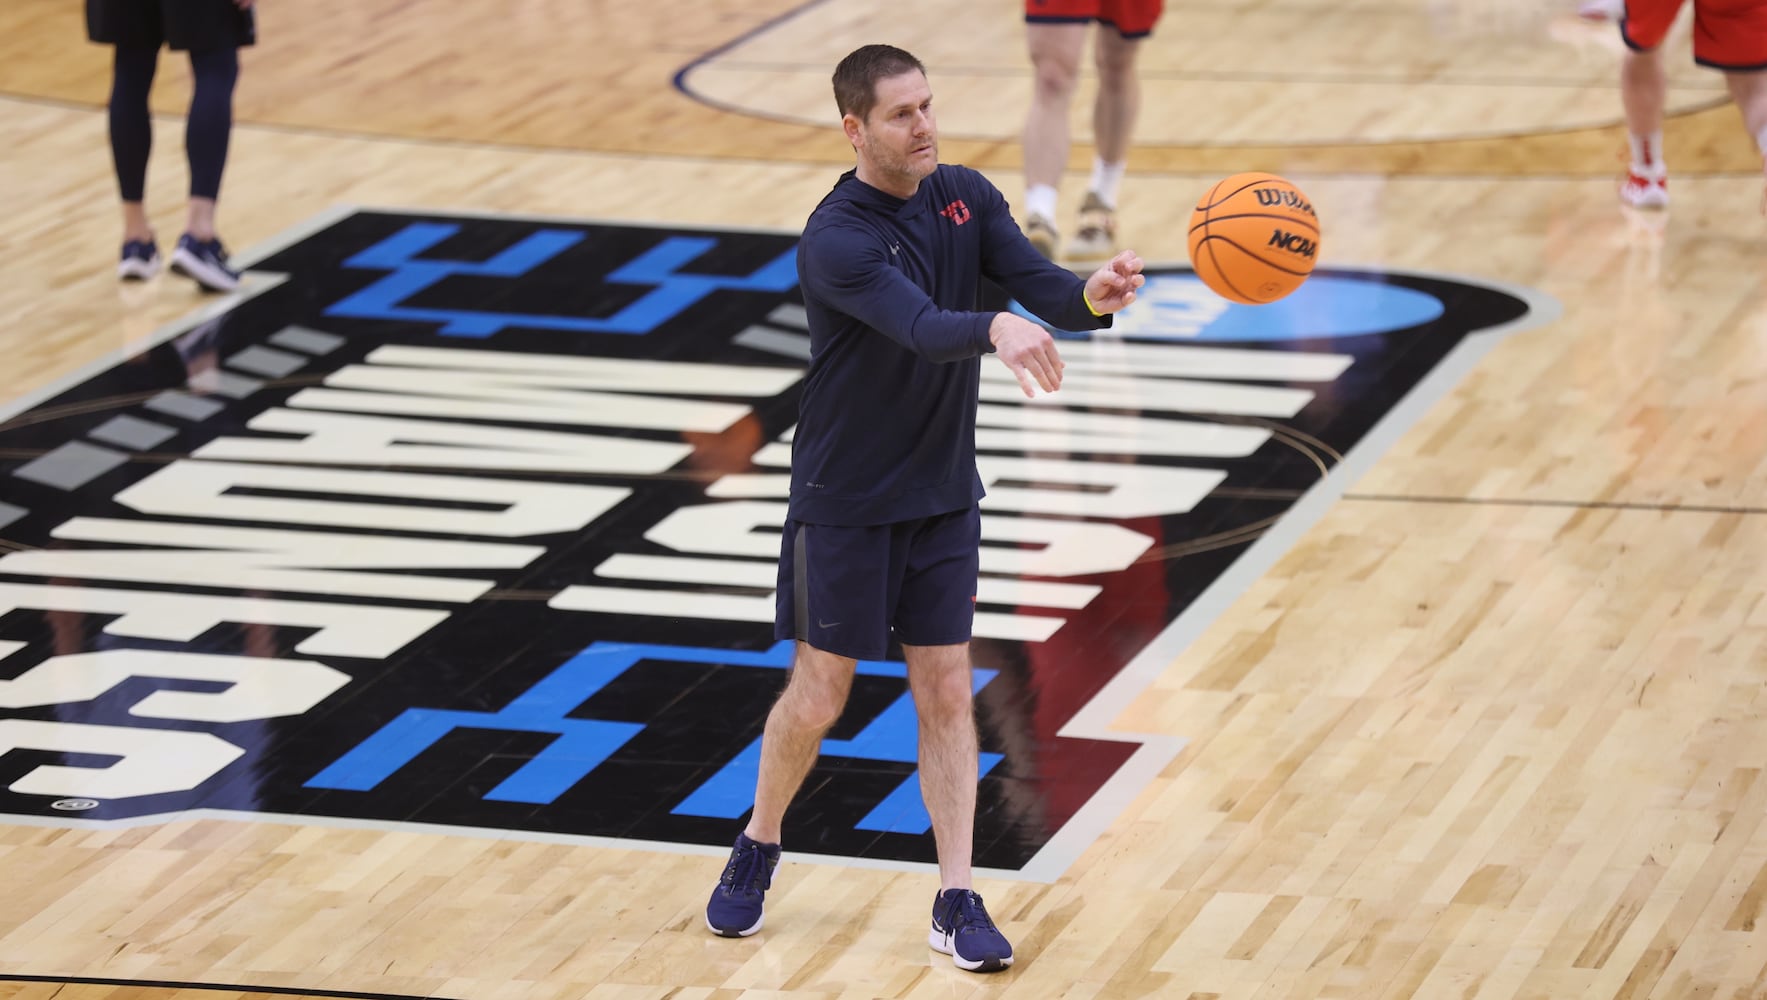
(886, 425)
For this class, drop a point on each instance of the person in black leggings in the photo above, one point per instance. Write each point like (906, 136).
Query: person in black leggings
(212, 31)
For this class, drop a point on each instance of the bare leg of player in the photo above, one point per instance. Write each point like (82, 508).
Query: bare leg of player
(1055, 64)
(1749, 89)
(1113, 124)
(1643, 87)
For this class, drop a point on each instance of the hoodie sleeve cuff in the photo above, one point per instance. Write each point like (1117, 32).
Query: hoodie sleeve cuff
(984, 343)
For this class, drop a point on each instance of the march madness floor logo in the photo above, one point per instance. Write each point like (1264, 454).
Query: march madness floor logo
(463, 522)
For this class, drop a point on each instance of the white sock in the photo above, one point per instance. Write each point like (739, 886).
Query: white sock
(1761, 140)
(1647, 155)
(1106, 178)
(1040, 200)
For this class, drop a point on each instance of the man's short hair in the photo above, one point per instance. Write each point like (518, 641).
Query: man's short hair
(855, 79)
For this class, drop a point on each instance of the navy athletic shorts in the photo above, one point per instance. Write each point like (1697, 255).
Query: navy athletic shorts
(183, 25)
(844, 589)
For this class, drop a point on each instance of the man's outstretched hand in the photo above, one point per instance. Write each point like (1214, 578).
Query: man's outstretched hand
(1028, 350)
(1113, 286)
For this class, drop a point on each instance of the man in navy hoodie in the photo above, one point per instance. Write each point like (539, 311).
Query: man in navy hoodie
(883, 532)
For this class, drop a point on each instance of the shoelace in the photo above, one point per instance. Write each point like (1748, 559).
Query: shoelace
(969, 912)
(746, 870)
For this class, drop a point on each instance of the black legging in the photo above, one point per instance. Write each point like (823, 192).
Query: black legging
(205, 134)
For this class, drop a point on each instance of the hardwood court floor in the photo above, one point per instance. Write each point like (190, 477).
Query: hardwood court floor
(1496, 726)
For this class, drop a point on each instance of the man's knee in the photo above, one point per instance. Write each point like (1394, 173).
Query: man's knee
(1055, 58)
(943, 688)
(816, 692)
(1055, 78)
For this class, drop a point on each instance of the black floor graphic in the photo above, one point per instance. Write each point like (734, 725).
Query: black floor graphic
(470, 522)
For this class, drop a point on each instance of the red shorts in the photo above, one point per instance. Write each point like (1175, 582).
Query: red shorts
(1131, 18)
(1727, 34)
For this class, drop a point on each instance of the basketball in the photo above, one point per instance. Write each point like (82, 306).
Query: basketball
(1253, 238)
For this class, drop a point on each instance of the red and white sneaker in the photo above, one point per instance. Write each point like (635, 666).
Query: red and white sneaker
(1644, 191)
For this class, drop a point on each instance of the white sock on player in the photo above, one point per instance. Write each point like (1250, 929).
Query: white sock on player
(1647, 155)
(1106, 179)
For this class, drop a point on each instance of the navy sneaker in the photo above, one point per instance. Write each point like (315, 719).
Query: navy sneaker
(141, 261)
(204, 262)
(735, 906)
(963, 930)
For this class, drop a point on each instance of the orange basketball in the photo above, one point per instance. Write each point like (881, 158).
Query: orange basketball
(1253, 238)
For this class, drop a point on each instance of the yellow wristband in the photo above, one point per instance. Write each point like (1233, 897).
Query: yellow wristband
(1089, 306)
